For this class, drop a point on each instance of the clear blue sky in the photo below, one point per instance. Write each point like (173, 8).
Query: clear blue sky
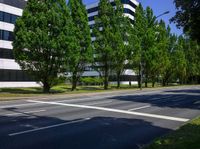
(158, 6)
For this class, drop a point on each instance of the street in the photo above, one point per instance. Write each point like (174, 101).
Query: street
(118, 120)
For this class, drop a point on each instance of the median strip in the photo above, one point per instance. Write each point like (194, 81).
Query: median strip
(113, 110)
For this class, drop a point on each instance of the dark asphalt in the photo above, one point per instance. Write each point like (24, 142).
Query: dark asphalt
(119, 120)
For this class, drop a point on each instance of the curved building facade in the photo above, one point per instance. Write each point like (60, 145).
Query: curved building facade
(10, 73)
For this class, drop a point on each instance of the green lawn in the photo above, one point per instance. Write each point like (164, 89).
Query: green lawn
(186, 137)
(6, 93)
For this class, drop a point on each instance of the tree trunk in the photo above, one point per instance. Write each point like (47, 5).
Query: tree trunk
(153, 83)
(146, 83)
(163, 82)
(106, 77)
(118, 79)
(74, 81)
(140, 78)
(46, 87)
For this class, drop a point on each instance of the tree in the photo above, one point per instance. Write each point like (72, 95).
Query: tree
(159, 60)
(167, 74)
(104, 33)
(82, 54)
(42, 39)
(188, 17)
(144, 41)
(136, 42)
(121, 40)
(179, 61)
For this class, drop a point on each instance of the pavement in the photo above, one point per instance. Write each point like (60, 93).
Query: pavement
(114, 120)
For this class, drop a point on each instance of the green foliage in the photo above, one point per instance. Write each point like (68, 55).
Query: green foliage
(104, 32)
(188, 17)
(43, 39)
(82, 53)
(91, 80)
(121, 40)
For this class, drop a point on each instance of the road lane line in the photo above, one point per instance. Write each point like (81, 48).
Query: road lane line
(47, 127)
(100, 102)
(18, 105)
(114, 110)
(143, 107)
(21, 112)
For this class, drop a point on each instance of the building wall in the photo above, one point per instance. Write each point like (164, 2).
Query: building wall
(10, 73)
(129, 10)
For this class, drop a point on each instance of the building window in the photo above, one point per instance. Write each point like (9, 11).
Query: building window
(6, 35)
(7, 17)
(6, 53)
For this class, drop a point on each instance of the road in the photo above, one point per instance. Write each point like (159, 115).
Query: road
(118, 120)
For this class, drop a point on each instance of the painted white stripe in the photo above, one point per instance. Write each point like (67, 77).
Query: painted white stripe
(100, 102)
(91, 22)
(18, 105)
(135, 2)
(143, 107)
(93, 14)
(129, 15)
(6, 26)
(19, 84)
(114, 110)
(28, 112)
(129, 7)
(6, 44)
(10, 9)
(9, 64)
(47, 127)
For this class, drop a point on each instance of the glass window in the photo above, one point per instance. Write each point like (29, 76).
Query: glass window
(7, 17)
(13, 19)
(1, 16)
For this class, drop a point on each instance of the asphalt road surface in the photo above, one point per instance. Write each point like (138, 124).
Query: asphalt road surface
(119, 120)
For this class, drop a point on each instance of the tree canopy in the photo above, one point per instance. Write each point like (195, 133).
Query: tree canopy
(43, 37)
(188, 17)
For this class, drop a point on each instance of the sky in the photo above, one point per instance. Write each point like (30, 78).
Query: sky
(158, 6)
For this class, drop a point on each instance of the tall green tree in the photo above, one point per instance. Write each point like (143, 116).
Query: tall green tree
(144, 41)
(167, 74)
(82, 54)
(104, 33)
(42, 39)
(188, 17)
(137, 43)
(121, 46)
(159, 60)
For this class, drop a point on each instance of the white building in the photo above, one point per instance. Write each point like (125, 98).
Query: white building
(10, 73)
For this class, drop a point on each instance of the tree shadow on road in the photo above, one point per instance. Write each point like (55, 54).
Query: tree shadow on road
(173, 99)
(95, 133)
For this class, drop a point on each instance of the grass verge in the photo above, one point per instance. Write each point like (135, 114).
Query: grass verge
(186, 137)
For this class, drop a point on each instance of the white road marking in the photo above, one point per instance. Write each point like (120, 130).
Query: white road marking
(138, 108)
(197, 102)
(100, 102)
(18, 105)
(21, 112)
(114, 110)
(47, 127)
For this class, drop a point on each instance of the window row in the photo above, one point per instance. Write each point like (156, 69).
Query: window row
(6, 53)
(94, 9)
(126, 10)
(7, 17)
(6, 35)
(14, 75)
(15, 3)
